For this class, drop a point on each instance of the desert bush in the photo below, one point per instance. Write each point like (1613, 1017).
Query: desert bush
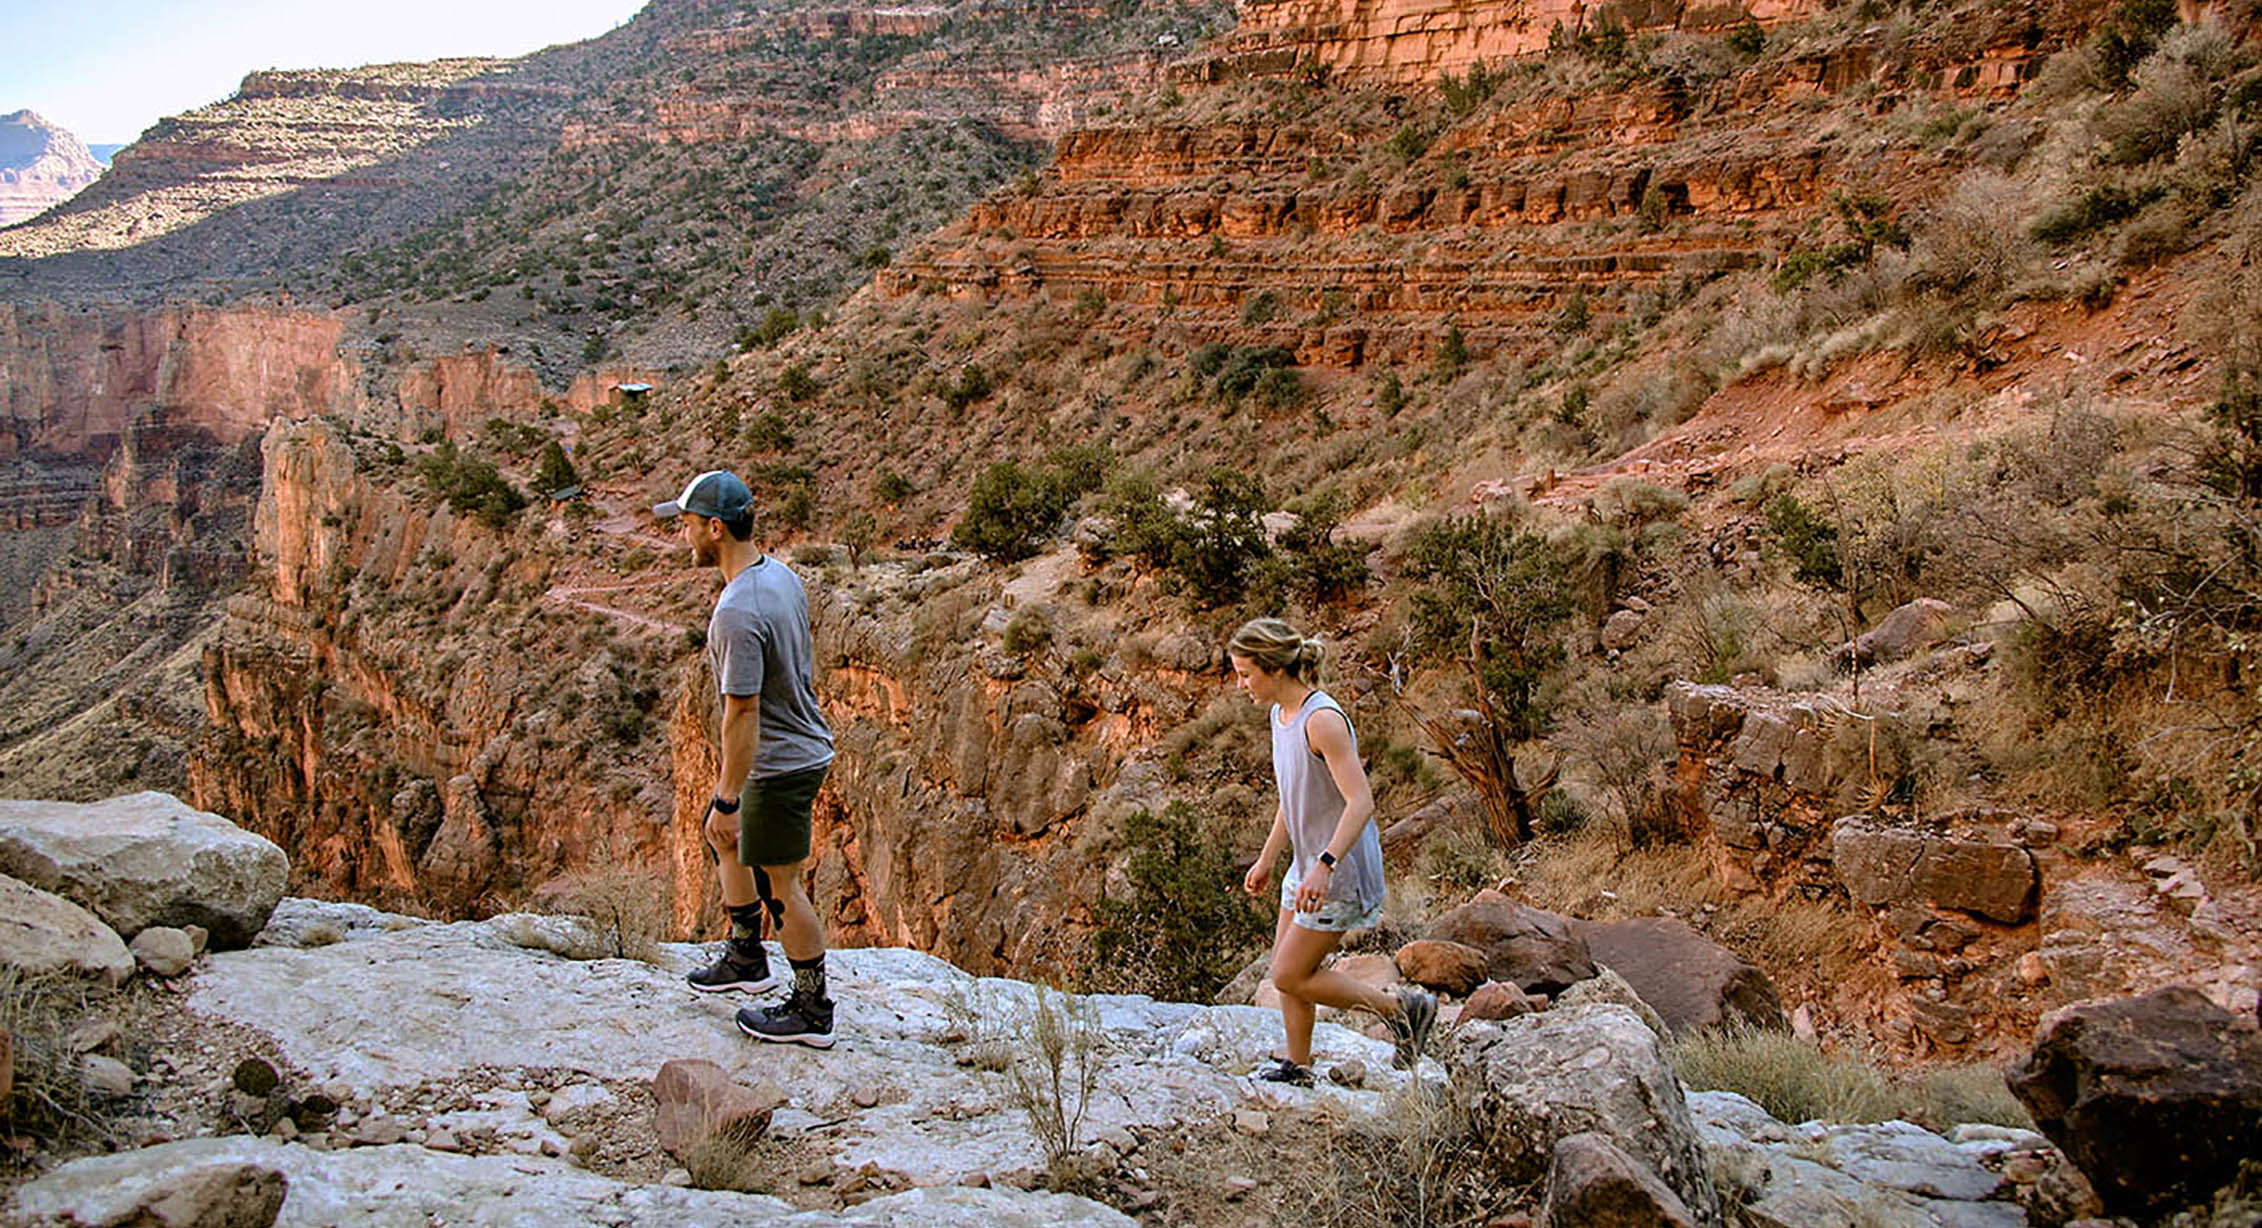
(554, 472)
(1492, 602)
(1970, 244)
(1010, 512)
(971, 388)
(796, 384)
(1627, 499)
(470, 484)
(1027, 630)
(1183, 929)
(1321, 569)
(1429, 1160)
(1866, 222)
(1223, 539)
(1627, 755)
(1053, 1067)
(2176, 90)
(628, 903)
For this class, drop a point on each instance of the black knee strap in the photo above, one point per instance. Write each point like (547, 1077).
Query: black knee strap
(769, 900)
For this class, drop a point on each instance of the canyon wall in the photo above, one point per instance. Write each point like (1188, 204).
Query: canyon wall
(41, 166)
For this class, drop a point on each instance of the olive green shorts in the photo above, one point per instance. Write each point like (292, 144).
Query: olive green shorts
(773, 818)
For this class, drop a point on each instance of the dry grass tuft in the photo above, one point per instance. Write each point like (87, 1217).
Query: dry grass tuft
(1796, 1081)
(1592, 875)
(629, 904)
(46, 1097)
(1426, 1161)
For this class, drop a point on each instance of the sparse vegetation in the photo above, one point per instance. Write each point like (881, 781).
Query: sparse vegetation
(1184, 929)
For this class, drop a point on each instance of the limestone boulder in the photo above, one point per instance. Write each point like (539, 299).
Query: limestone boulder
(1692, 982)
(1536, 950)
(1593, 1184)
(41, 933)
(2154, 1098)
(163, 950)
(1542, 1078)
(697, 1099)
(146, 859)
(1606, 987)
(1883, 866)
(1447, 966)
(1909, 629)
(382, 1187)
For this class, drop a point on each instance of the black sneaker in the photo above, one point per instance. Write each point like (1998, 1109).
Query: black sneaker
(735, 971)
(1285, 1071)
(1410, 1027)
(800, 1020)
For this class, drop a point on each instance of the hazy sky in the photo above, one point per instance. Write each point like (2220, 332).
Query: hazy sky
(106, 69)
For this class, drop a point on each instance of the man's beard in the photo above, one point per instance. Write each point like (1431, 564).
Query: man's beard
(705, 554)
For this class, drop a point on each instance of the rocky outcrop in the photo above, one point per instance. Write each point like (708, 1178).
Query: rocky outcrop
(43, 933)
(2157, 1098)
(1892, 1173)
(146, 860)
(371, 1186)
(41, 166)
(1882, 866)
(1594, 1069)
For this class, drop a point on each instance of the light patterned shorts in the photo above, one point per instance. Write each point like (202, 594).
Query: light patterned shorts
(1333, 916)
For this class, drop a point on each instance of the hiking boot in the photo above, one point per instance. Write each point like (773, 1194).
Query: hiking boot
(799, 1020)
(1410, 1028)
(1285, 1071)
(735, 971)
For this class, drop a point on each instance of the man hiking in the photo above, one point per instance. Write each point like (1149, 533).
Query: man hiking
(773, 749)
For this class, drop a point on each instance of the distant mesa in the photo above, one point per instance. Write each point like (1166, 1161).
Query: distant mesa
(41, 166)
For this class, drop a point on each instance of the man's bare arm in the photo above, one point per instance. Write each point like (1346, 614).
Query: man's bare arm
(741, 730)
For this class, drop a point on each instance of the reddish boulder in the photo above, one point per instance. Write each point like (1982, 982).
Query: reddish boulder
(1447, 966)
(1691, 981)
(1493, 1000)
(697, 1099)
(1536, 950)
(2156, 1099)
(1592, 1183)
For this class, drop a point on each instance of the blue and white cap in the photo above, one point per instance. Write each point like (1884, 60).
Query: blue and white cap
(713, 493)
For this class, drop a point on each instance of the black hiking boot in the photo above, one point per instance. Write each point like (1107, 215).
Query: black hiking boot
(735, 971)
(797, 1020)
(1285, 1071)
(1410, 1028)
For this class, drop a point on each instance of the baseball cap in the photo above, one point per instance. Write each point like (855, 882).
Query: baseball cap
(713, 493)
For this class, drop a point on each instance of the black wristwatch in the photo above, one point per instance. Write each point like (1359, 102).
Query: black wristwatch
(722, 805)
(1326, 858)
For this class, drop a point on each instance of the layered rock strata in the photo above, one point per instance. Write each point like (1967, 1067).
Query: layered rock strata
(41, 166)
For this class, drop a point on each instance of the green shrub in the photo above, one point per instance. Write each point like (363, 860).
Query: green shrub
(768, 432)
(1028, 630)
(470, 485)
(1452, 353)
(1321, 569)
(1747, 39)
(1184, 929)
(2097, 208)
(1224, 539)
(1241, 369)
(1805, 538)
(797, 384)
(554, 472)
(774, 327)
(892, 487)
(1262, 309)
(1010, 512)
(973, 387)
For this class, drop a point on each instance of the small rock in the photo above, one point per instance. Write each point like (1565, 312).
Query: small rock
(1252, 1122)
(817, 1173)
(676, 1176)
(1352, 1073)
(199, 938)
(1452, 967)
(163, 950)
(697, 1098)
(529, 1146)
(286, 1130)
(440, 1138)
(1238, 1187)
(1496, 1000)
(584, 1145)
(2032, 972)
(379, 1132)
(865, 1097)
(552, 1148)
(1593, 1184)
(212, 1196)
(255, 1077)
(106, 1076)
(1147, 1200)
(91, 1035)
(975, 1181)
(2025, 1168)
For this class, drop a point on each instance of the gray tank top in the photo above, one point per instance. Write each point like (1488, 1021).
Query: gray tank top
(1314, 806)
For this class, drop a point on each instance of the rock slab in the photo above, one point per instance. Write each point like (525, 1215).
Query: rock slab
(1447, 966)
(2154, 1098)
(1536, 950)
(1883, 866)
(43, 933)
(1593, 1184)
(1691, 982)
(146, 859)
(1542, 1078)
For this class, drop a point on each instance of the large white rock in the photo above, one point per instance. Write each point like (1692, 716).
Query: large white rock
(1542, 1078)
(404, 1186)
(1818, 1175)
(146, 859)
(395, 1008)
(41, 932)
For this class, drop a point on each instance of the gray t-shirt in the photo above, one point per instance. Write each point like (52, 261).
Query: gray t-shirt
(758, 643)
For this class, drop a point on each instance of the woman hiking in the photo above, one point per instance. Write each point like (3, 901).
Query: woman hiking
(1326, 819)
